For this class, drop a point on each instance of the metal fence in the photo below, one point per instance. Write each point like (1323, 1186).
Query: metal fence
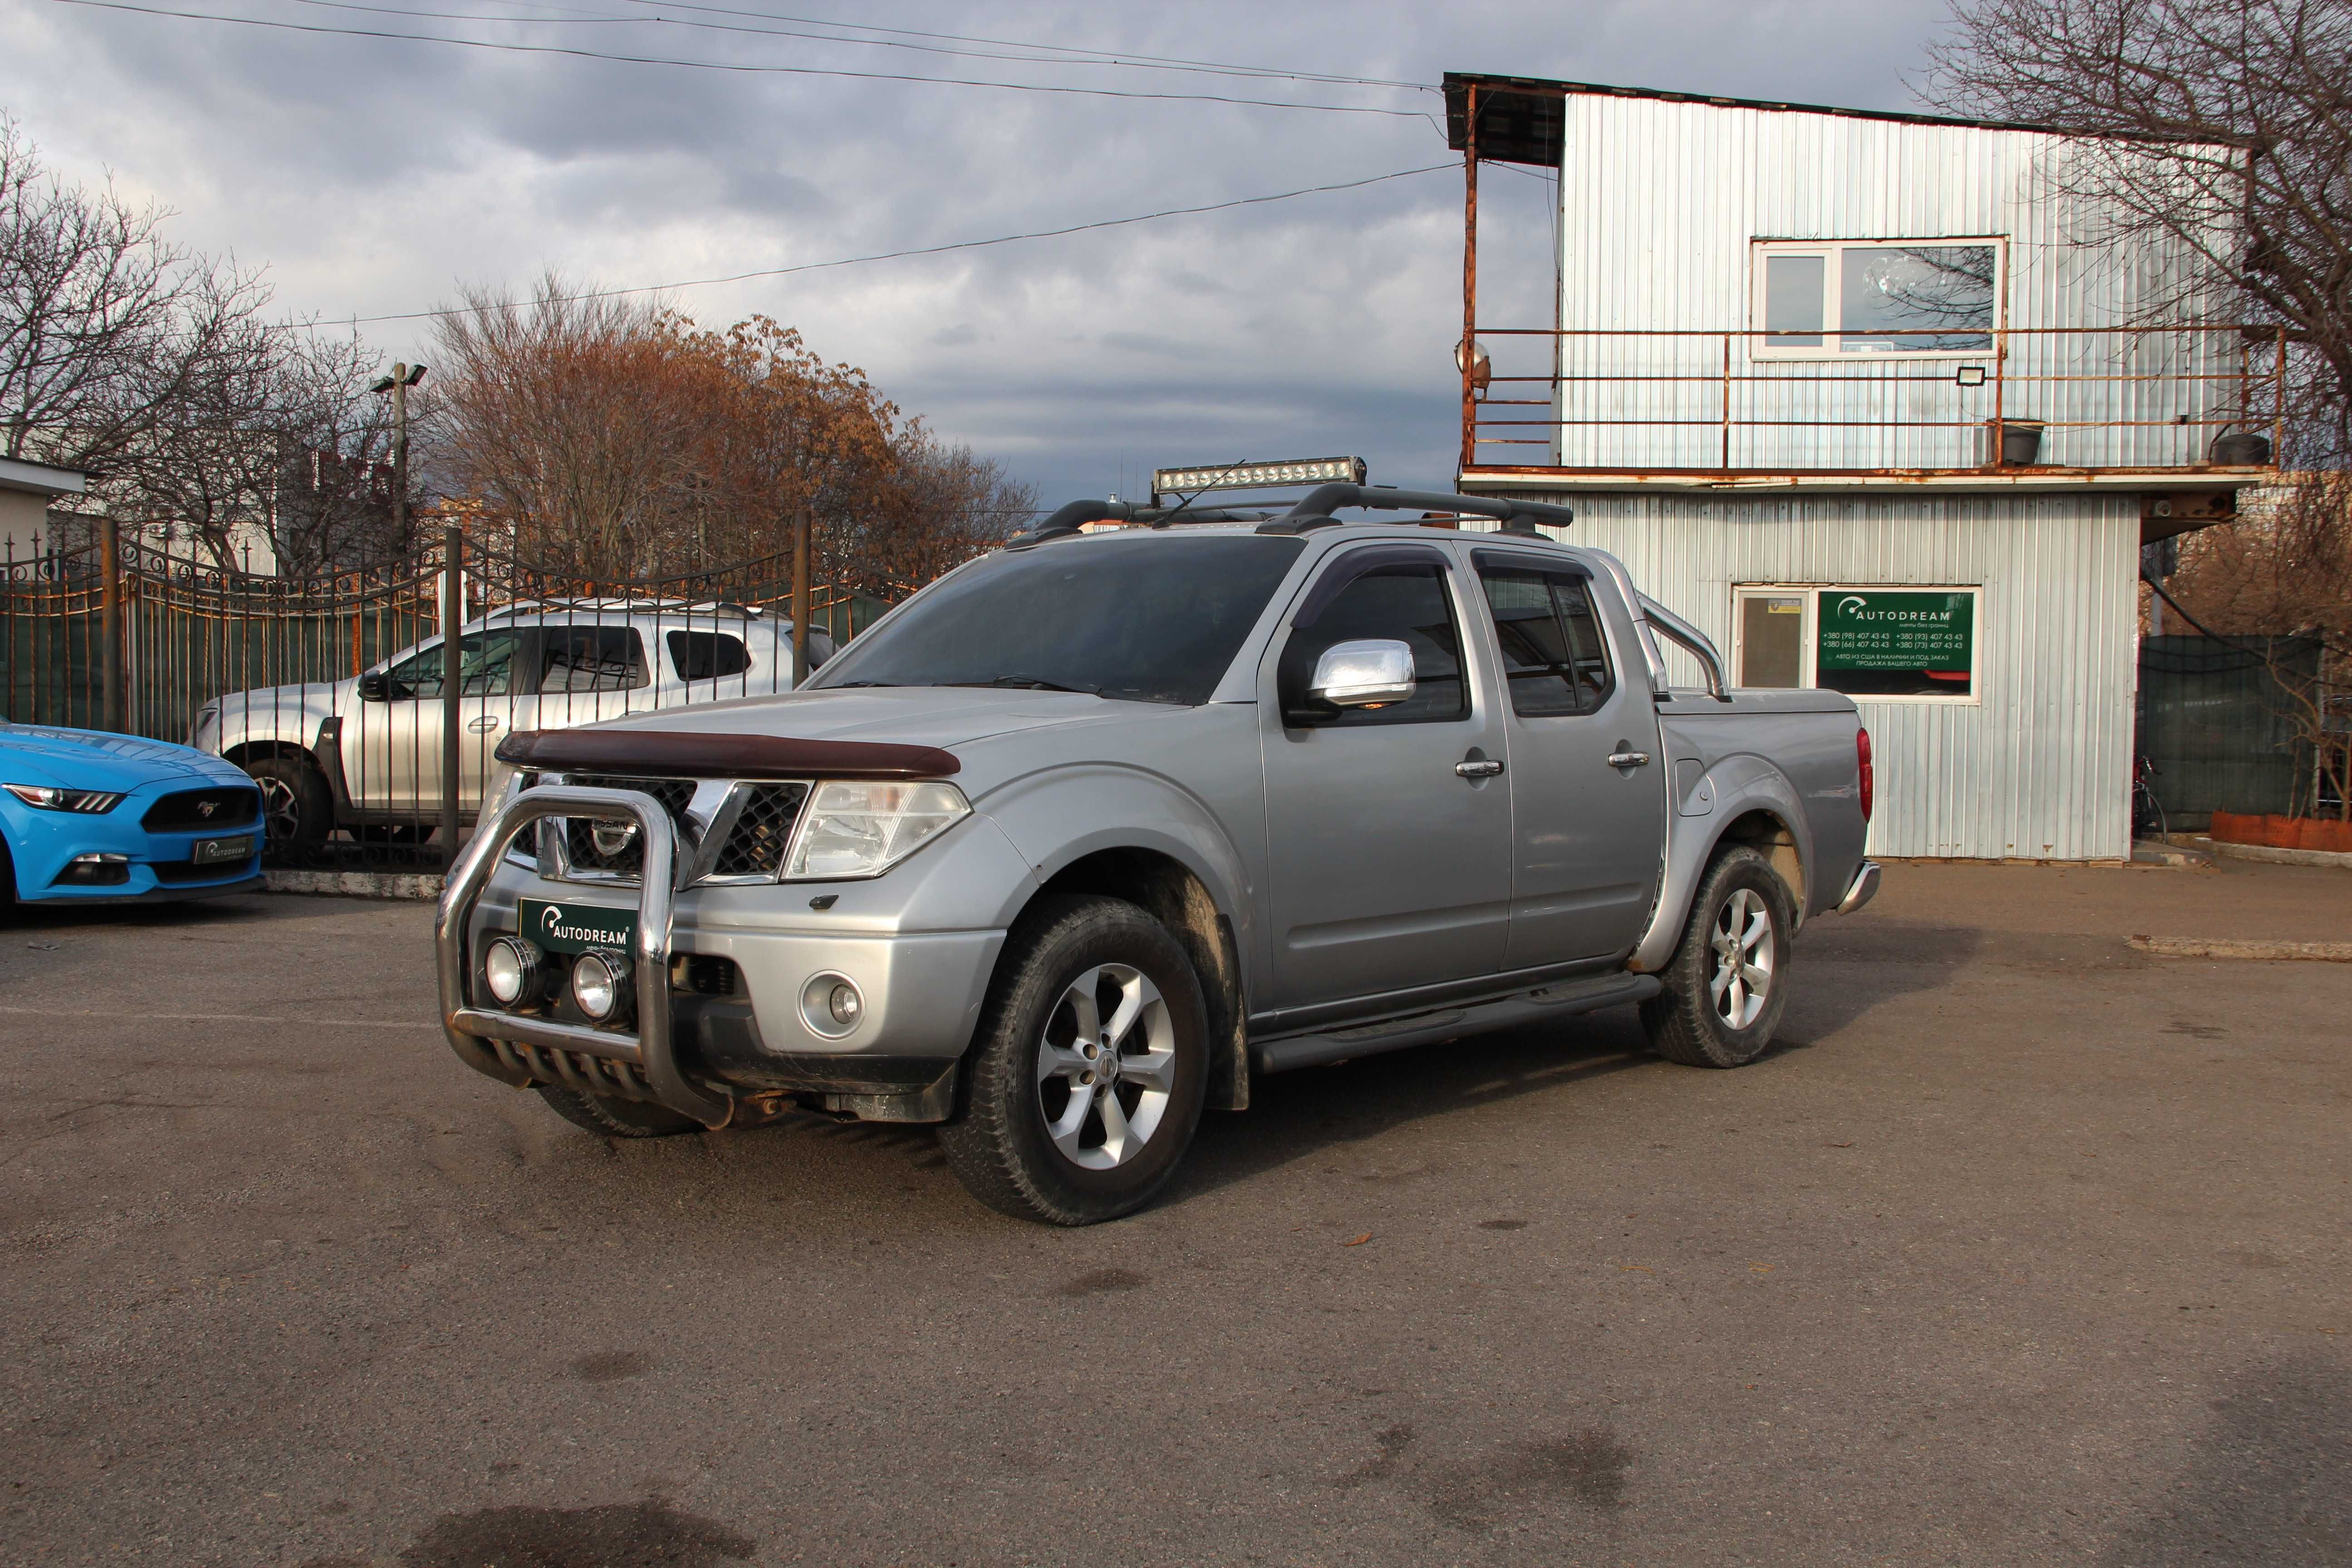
(335, 691)
(2217, 721)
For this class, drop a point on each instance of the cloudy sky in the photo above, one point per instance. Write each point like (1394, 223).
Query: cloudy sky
(371, 175)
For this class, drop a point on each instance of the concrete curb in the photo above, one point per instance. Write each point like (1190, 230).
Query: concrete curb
(2263, 852)
(2269, 952)
(355, 884)
(2181, 856)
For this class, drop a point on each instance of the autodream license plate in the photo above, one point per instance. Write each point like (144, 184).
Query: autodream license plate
(576, 927)
(220, 851)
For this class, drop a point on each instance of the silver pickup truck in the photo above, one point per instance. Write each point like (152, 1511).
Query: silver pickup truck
(1096, 829)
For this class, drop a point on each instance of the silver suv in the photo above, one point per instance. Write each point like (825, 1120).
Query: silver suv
(1097, 828)
(365, 754)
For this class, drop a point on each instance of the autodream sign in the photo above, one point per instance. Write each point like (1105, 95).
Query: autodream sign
(1895, 645)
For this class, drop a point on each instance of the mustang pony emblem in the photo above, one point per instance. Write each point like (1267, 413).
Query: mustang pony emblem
(207, 807)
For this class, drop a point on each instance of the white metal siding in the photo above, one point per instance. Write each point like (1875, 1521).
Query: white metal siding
(1660, 203)
(2040, 766)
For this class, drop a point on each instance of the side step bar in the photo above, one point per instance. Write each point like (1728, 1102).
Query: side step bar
(1562, 1000)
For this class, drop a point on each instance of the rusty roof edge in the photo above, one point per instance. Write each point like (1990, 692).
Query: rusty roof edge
(1541, 87)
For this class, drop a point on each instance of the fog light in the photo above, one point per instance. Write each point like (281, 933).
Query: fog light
(96, 870)
(510, 967)
(600, 985)
(831, 1004)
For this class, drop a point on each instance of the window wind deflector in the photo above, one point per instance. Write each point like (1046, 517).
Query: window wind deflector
(1356, 564)
(1529, 561)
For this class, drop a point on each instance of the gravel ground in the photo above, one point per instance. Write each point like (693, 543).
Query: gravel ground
(2024, 1247)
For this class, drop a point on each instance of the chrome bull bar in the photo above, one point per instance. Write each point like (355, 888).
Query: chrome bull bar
(474, 1031)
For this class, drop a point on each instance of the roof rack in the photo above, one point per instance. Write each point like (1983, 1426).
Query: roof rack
(1518, 517)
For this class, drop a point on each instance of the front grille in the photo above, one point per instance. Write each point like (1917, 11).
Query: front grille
(762, 829)
(189, 871)
(628, 858)
(196, 810)
(754, 846)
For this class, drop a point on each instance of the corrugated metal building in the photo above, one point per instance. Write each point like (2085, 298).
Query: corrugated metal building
(1880, 406)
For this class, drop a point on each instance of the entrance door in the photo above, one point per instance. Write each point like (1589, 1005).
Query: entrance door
(1589, 839)
(1386, 868)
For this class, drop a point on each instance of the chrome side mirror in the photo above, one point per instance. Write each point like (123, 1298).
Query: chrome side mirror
(1370, 673)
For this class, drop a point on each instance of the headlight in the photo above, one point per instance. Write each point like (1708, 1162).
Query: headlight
(206, 728)
(851, 828)
(88, 800)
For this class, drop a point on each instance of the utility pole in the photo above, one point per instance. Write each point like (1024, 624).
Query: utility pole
(401, 378)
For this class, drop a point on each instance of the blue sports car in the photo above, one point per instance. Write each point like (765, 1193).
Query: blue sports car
(91, 818)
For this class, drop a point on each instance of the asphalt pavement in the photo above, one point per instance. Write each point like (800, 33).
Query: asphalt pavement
(2024, 1247)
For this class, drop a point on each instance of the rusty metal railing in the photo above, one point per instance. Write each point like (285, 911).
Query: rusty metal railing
(1749, 402)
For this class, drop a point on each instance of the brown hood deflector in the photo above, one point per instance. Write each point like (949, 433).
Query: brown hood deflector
(676, 753)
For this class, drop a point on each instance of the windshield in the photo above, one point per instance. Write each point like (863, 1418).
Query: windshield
(1147, 618)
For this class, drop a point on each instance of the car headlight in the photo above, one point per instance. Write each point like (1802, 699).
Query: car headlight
(206, 728)
(857, 829)
(47, 798)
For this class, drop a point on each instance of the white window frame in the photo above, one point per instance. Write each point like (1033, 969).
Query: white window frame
(1832, 251)
(1808, 672)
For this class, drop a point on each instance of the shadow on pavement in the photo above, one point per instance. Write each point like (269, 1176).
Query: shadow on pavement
(2269, 1480)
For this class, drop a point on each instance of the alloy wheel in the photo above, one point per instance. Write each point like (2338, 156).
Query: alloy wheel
(1106, 1065)
(281, 811)
(1744, 952)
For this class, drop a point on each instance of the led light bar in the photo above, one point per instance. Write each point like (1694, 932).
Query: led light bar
(1258, 476)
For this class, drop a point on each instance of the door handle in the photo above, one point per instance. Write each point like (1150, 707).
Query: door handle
(485, 725)
(1628, 759)
(1481, 768)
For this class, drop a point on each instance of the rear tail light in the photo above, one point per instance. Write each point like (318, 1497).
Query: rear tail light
(1863, 767)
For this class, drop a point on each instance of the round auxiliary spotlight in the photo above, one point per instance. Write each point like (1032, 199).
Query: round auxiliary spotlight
(508, 967)
(600, 985)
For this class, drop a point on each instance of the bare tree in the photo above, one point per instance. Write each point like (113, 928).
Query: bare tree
(620, 441)
(2223, 127)
(575, 420)
(946, 505)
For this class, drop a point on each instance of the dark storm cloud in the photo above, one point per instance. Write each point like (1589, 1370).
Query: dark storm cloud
(371, 175)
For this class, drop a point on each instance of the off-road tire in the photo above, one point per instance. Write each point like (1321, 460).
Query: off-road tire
(1682, 1020)
(1001, 1148)
(298, 811)
(616, 1118)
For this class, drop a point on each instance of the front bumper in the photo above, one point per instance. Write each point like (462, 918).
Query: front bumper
(704, 1056)
(158, 866)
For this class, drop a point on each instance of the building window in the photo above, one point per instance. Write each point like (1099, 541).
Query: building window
(1841, 298)
(1875, 644)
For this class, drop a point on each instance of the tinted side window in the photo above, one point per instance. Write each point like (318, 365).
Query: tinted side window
(1553, 654)
(590, 659)
(485, 667)
(1407, 602)
(707, 656)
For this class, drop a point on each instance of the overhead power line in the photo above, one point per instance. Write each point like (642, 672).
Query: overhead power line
(736, 69)
(1077, 56)
(583, 18)
(900, 255)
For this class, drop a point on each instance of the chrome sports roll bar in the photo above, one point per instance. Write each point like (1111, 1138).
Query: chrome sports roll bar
(472, 1030)
(1694, 641)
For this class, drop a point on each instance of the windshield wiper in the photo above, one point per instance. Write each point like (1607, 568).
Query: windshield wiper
(1031, 683)
(846, 685)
